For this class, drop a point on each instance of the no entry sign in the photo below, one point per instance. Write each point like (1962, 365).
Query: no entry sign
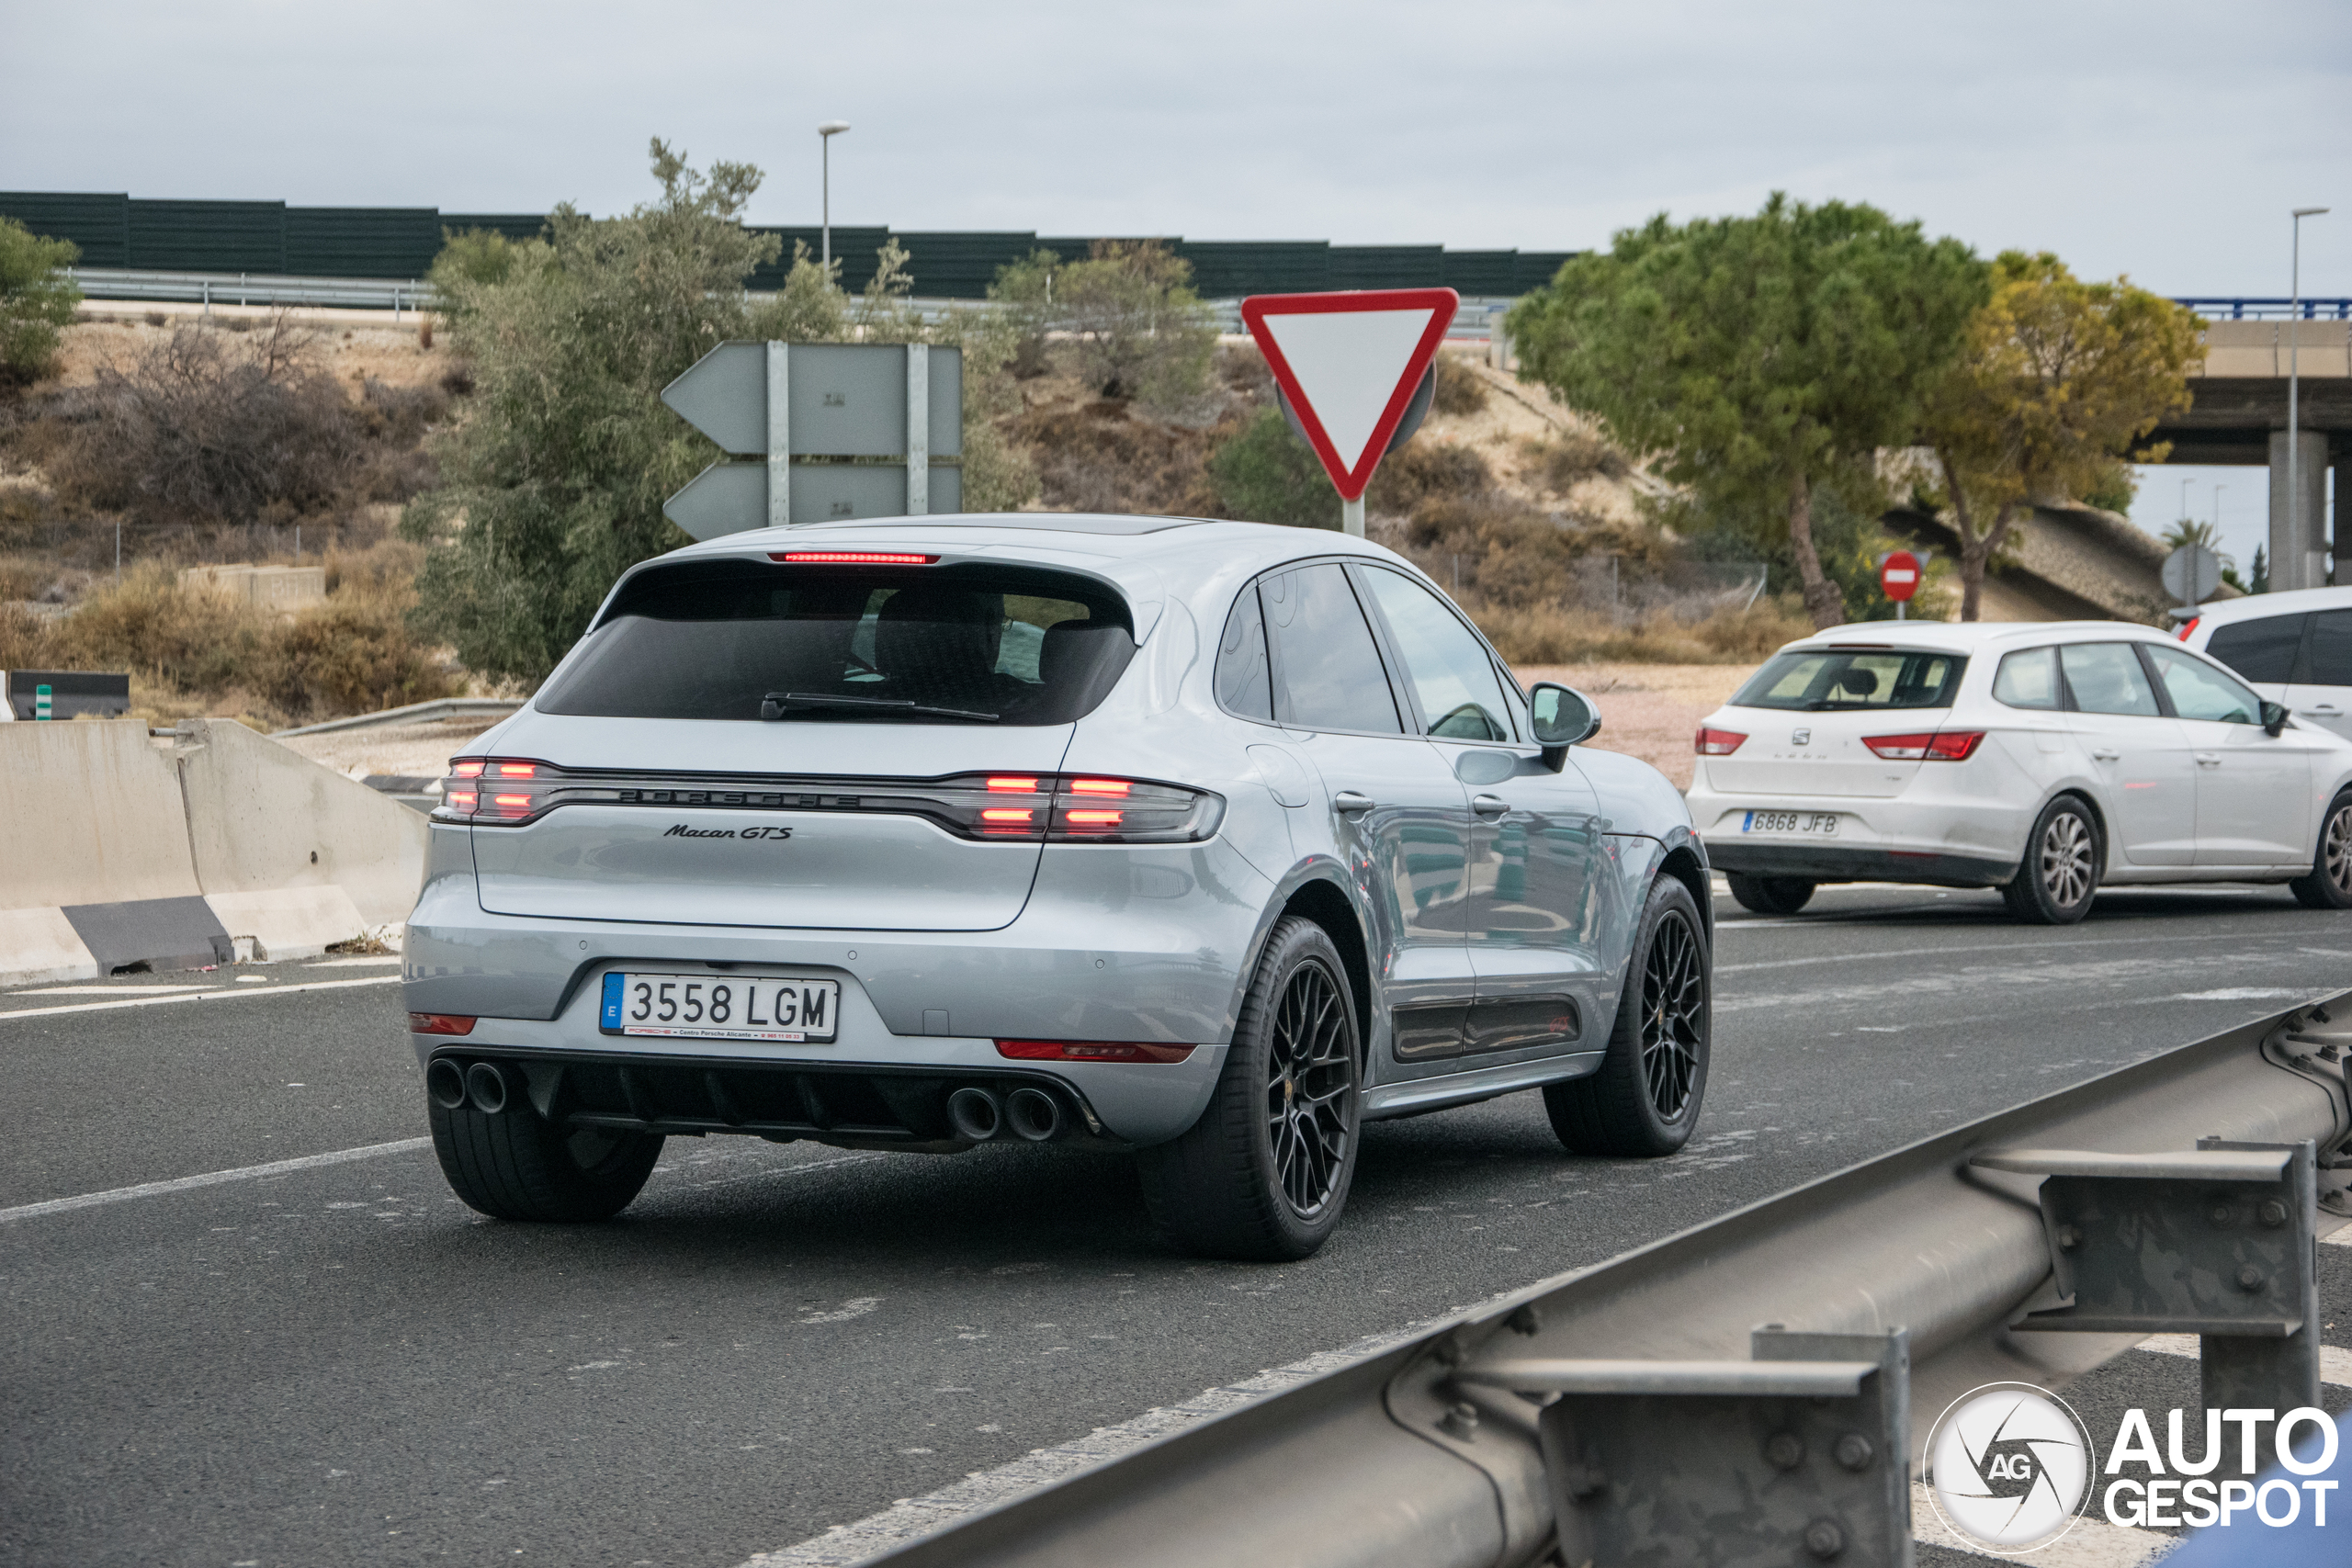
(1350, 364)
(1898, 575)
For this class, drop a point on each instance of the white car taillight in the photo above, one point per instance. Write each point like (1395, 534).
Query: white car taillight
(1718, 743)
(1942, 746)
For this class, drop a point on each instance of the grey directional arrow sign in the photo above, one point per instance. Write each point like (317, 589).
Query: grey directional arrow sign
(822, 415)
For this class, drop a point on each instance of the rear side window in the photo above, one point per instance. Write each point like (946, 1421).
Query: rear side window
(2265, 649)
(1244, 684)
(2331, 649)
(1829, 681)
(1329, 674)
(2106, 677)
(2028, 679)
(911, 645)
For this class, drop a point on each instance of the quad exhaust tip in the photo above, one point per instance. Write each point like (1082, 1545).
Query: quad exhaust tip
(1034, 1114)
(445, 1080)
(976, 1113)
(486, 1087)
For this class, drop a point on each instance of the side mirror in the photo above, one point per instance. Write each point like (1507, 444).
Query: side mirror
(1561, 719)
(2274, 718)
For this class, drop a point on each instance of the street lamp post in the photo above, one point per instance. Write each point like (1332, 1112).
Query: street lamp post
(825, 134)
(2318, 569)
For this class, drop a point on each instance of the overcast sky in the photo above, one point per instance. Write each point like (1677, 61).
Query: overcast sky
(2157, 137)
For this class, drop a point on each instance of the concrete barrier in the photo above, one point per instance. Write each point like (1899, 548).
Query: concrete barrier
(122, 850)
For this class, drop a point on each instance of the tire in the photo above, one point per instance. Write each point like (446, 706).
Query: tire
(2059, 873)
(1645, 1099)
(2328, 884)
(1770, 895)
(1262, 1176)
(519, 1166)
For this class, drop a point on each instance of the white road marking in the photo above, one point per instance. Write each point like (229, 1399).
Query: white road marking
(2334, 1364)
(1916, 954)
(209, 1179)
(2092, 1543)
(103, 990)
(222, 994)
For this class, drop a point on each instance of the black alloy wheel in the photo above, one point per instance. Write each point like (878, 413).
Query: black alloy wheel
(1646, 1096)
(1263, 1175)
(2060, 872)
(1769, 894)
(1310, 1076)
(2328, 884)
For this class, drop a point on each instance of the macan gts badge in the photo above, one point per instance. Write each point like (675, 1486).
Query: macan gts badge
(1207, 843)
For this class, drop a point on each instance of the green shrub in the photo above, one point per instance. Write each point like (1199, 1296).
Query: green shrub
(1424, 470)
(1138, 330)
(347, 655)
(1566, 460)
(1267, 475)
(37, 300)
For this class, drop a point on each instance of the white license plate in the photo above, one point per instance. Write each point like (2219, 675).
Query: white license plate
(1823, 822)
(732, 1007)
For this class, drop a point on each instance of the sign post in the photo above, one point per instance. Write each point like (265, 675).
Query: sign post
(1900, 572)
(1350, 368)
(2190, 574)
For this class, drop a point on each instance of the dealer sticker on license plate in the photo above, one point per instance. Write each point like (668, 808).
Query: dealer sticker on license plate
(1824, 822)
(701, 1007)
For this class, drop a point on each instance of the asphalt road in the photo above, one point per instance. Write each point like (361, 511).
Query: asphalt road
(339, 1363)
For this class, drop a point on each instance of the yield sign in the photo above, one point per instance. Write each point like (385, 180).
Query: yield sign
(1350, 364)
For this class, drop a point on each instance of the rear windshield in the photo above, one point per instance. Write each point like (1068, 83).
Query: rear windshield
(904, 645)
(1819, 682)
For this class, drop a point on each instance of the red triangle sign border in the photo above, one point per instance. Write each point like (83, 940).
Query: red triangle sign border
(1442, 304)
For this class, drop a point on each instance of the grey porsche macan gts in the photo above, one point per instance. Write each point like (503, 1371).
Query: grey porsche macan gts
(1206, 841)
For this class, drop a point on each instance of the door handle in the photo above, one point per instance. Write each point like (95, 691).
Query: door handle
(2103, 755)
(1348, 803)
(1489, 804)
(2325, 710)
(2209, 758)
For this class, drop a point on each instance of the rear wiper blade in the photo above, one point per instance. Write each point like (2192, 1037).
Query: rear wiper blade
(776, 705)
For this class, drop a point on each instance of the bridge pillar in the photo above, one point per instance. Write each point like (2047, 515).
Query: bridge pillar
(2299, 562)
(2343, 534)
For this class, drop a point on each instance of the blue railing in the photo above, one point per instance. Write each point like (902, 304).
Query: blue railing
(2251, 309)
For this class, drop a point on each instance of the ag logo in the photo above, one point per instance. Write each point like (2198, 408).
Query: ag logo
(2009, 1467)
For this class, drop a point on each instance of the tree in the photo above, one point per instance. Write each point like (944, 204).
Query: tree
(1138, 329)
(37, 300)
(2206, 536)
(2059, 379)
(1758, 358)
(553, 485)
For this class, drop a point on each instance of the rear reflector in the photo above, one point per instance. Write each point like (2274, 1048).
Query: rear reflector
(439, 1023)
(1090, 1051)
(1947, 746)
(851, 558)
(1718, 743)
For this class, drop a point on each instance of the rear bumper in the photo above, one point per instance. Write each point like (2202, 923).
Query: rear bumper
(1148, 943)
(1820, 862)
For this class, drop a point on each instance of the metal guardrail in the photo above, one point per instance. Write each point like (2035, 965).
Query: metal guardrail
(1619, 1414)
(1473, 322)
(415, 712)
(2278, 308)
(210, 288)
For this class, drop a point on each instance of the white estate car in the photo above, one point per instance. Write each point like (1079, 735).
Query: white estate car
(2294, 648)
(2042, 759)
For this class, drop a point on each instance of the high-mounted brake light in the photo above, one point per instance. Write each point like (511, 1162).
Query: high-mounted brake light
(1091, 1051)
(1717, 743)
(1945, 746)
(2188, 625)
(851, 558)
